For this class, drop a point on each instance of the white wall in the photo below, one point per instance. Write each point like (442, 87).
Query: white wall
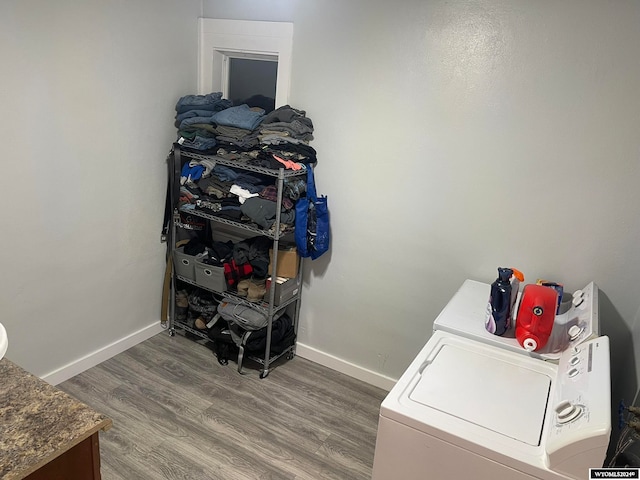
(453, 137)
(87, 93)
(458, 136)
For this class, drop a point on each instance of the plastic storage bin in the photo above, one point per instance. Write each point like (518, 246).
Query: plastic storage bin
(211, 277)
(185, 265)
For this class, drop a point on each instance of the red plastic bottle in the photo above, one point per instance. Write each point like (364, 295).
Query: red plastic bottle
(536, 315)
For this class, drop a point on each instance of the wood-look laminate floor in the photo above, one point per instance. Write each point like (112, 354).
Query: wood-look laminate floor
(178, 414)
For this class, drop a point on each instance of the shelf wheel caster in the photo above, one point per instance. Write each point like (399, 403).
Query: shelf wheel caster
(264, 373)
(290, 355)
(172, 332)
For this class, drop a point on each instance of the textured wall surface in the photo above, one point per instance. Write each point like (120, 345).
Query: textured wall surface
(88, 91)
(458, 136)
(453, 137)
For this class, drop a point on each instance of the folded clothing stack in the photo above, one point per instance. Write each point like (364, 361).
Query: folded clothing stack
(209, 124)
(193, 120)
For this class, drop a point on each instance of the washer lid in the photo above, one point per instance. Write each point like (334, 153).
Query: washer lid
(490, 391)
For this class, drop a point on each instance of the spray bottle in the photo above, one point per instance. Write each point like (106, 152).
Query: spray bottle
(502, 299)
(516, 279)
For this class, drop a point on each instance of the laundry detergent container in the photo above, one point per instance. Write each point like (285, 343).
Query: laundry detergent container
(536, 315)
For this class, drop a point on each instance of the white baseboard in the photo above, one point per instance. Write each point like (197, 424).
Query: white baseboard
(342, 366)
(105, 353)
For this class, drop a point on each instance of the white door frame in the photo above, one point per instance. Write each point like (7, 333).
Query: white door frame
(220, 40)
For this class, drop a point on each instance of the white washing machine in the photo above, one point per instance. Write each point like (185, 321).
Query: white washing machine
(469, 409)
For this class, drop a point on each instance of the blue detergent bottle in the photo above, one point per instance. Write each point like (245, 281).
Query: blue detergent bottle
(498, 318)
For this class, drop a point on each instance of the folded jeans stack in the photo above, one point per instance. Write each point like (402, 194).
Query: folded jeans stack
(193, 119)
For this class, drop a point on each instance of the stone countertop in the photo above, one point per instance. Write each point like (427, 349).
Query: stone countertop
(38, 422)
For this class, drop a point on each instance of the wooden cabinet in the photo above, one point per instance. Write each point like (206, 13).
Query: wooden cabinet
(44, 432)
(81, 462)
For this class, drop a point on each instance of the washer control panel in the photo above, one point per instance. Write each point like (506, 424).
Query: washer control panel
(581, 408)
(581, 321)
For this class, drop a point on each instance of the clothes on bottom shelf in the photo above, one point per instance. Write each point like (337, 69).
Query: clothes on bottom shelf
(200, 310)
(228, 338)
(195, 308)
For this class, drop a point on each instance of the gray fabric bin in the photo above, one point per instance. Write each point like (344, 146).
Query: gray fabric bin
(210, 277)
(184, 265)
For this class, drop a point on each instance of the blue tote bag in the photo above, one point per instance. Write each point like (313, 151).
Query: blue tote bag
(312, 221)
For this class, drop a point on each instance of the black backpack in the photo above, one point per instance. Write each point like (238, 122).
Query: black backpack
(229, 338)
(223, 345)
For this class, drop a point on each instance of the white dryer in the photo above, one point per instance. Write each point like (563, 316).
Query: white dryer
(478, 406)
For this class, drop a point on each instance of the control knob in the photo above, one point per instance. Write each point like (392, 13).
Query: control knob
(578, 298)
(567, 411)
(574, 331)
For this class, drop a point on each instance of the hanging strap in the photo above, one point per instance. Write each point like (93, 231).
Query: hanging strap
(166, 290)
(311, 184)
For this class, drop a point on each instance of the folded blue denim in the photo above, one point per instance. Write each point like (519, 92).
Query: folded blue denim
(245, 180)
(241, 116)
(200, 143)
(212, 102)
(193, 113)
(224, 173)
